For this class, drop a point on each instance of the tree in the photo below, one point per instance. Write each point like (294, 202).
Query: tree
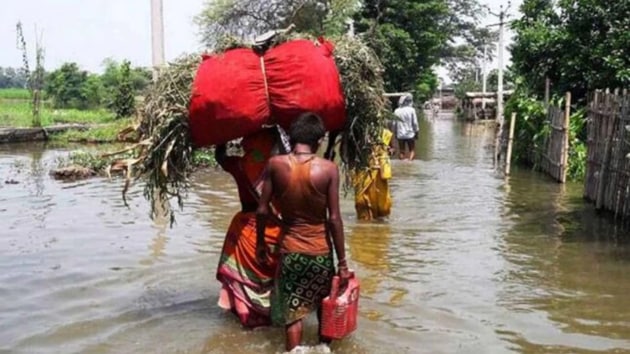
(123, 103)
(140, 78)
(65, 87)
(581, 45)
(246, 18)
(537, 44)
(408, 36)
(93, 91)
(35, 78)
(12, 78)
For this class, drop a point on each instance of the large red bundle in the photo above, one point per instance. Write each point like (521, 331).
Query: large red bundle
(235, 93)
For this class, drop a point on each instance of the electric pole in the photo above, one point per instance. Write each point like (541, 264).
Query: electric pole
(485, 77)
(502, 16)
(500, 119)
(157, 36)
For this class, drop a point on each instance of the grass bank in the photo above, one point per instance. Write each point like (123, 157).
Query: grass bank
(14, 94)
(18, 114)
(103, 133)
(82, 163)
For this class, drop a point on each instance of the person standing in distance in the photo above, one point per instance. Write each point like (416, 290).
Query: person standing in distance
(406, 127)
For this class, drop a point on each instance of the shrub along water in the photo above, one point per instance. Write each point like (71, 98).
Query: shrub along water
(532, 128)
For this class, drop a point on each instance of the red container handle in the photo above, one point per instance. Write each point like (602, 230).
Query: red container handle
(334, 289)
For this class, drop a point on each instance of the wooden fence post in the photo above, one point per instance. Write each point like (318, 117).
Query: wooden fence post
(547, 89)
(508, 156)
(565, 144)
(601, 185)
(592, 156)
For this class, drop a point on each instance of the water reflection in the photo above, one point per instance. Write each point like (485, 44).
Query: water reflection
(369, 247)
(468, 262)
(574, 285)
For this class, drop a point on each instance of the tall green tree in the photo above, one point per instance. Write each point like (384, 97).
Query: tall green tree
(581, 45)
(408, 36)
(93, 91)
(412, 37)
(64, 87)
(140, 77)
(247, 18)
(123, 104)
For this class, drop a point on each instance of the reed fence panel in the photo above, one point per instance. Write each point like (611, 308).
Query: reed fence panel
(552, 156)
(607, 182)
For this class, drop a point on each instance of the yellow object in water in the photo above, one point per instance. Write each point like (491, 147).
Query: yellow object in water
(371, 187)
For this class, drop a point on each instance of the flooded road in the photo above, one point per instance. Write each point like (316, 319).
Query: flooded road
(469, 262)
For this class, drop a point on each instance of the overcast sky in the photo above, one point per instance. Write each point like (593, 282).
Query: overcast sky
(88, 31)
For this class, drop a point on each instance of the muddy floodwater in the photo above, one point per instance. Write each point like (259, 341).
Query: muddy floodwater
(469, 262)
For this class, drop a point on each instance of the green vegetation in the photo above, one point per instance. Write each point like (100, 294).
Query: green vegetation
(12, 78)
(105, 133)
(71, 87)
(14, 93)
(123, 102)
(203, 158)
(580, 46)
(19, 114)
(577, 151)
(85, 159)
(34, 78)
(73, 95)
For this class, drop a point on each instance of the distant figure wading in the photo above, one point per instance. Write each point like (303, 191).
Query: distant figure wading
(406, 127)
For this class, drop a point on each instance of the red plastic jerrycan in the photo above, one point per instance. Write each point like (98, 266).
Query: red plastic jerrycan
(340, 310)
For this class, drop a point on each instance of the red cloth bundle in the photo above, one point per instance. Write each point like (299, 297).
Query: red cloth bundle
(237, 92)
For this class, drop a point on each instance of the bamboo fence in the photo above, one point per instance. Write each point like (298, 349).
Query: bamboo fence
(552, 156)
(607, 182)
(555, 156)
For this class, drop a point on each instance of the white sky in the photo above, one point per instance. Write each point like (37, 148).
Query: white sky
(88, 31)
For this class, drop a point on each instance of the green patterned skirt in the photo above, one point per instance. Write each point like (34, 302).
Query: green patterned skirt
(303, 282)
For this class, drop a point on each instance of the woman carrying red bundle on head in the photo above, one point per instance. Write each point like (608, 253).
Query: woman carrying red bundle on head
(246, 283)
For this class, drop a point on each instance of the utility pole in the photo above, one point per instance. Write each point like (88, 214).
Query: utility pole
(500, 79)
(502, 16)
(441, 96)
(157, 36)
(485, 77)
(500, 119)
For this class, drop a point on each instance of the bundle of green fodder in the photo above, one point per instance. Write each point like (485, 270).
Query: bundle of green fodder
(163, 157)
